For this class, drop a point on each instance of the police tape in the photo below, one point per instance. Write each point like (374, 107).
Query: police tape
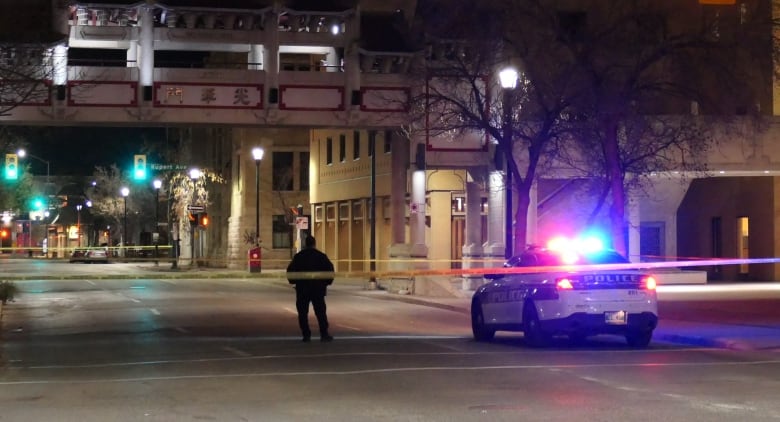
(419, 272)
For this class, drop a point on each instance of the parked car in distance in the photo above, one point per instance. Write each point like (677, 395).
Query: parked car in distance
(89, 255)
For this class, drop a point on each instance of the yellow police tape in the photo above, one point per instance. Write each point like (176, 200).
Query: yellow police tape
(379, 268)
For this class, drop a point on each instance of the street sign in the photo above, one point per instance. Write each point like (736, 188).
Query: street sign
(167, 167)
(302, 223)
(195, 208)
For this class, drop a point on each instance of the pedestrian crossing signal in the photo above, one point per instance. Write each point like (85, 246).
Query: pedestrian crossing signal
(204, 219)
(11, 167)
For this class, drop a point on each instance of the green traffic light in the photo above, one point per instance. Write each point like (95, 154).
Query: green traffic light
(38, 204)
(11, 173)
(139, 174)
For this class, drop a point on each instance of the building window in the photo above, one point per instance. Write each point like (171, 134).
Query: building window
(303, 170)
(388, 141)
(282, 236)
(356, 145)
(283, 170)
(743, 248)
(329, 151)
(342, 148)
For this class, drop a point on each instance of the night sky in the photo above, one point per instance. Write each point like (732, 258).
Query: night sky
(77, 150)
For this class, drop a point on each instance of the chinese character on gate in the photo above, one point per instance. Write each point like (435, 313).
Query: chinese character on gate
(207, 95)
(241, 96)
(174, 92)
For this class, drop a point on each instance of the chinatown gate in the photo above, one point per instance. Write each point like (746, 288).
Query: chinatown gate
(306, 89)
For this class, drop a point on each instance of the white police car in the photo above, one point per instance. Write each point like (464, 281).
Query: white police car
(550, 301)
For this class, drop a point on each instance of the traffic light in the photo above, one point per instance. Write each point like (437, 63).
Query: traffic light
(3, 234)
(193, 218)
(139, 167)
(11, 167)
(203, 219)
(38, 203)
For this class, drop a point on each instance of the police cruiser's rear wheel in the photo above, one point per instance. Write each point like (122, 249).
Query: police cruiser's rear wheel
(532, 328)
(639, 338)
(478, 328)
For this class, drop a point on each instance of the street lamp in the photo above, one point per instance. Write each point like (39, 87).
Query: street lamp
(22, 153)
(124, 191)
(194, 175)
(508, 79)
(157, 183)
(257, 154)
(78, 224)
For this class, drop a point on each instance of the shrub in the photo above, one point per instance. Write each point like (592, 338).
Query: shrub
(8, 291)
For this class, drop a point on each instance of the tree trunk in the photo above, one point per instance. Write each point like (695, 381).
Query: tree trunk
(521, 217)
(615, 179)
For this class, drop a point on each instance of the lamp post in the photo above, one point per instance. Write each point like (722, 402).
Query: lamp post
(22, 153)
(194, 175)
(157, 183)
(508, 79)
(78, 224)
(124, 191)
(257, 154)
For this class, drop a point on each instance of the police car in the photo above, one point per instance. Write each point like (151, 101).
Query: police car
(543, 298)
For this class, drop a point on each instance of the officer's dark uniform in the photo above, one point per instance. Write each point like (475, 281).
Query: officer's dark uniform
(312, 290)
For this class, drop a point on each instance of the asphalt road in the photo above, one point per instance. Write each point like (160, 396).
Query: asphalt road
(145, 348)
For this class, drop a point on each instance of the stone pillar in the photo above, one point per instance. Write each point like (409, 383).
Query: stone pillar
(633, 228)
(352, 57)
(417, 219)
(146, 53)
(398, 183)
(59, 62)
(472, 250)
(532, 218)
(494, 247)
(271, 58)
(256, 54)
(132, 55)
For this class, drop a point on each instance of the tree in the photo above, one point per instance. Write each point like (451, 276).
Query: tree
(27, 54)
(604, 91)
(640, 75)
(105, 194)
(528, 123)
(14, 195)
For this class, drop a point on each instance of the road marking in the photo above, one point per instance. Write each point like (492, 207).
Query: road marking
(290, 310)
(398, 370)
(348, 327)
(181, 330)
(92, 282)
(154, 311)
(235, 351)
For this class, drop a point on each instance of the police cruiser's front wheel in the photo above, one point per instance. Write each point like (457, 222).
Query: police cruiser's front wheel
(639, 338)
(478, 328)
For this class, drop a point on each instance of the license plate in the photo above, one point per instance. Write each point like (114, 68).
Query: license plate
(616, 317)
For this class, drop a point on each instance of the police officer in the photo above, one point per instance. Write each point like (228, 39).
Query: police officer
(309, 289)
